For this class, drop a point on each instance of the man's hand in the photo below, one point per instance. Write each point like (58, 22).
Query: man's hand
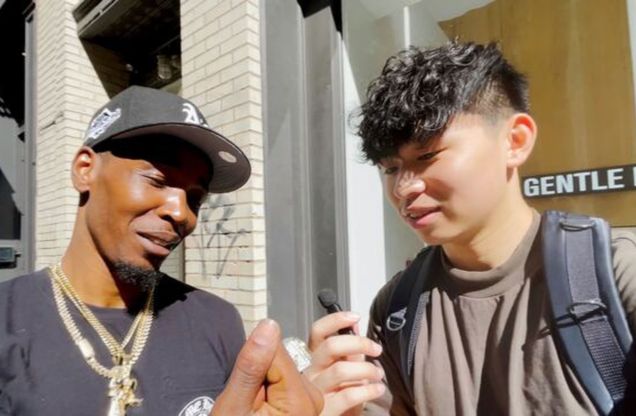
(265, 381)
(338, 367)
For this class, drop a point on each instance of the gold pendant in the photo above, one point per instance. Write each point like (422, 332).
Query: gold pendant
(116, 408)
(121, 390)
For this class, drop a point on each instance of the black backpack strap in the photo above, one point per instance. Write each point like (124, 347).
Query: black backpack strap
(588, 315)
(406, 307)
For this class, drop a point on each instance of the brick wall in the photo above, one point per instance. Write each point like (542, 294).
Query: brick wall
(221, 74)
(68, 91)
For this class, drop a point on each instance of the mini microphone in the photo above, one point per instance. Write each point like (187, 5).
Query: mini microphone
(329, 301)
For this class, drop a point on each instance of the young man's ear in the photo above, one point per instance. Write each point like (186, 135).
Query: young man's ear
(522, 135)
(83, 169)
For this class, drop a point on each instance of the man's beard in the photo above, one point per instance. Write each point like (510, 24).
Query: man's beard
(142, 278)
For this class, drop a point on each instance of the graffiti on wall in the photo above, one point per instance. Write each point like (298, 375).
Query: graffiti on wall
(217, 234)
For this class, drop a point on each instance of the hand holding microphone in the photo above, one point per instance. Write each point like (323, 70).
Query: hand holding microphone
(329, 301)
(338, 367)
(297, 349)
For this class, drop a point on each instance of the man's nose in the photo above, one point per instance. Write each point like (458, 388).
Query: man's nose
(176, 208)
(408, 184)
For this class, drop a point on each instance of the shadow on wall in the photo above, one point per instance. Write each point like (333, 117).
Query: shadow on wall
(11, 115)
(10, 216)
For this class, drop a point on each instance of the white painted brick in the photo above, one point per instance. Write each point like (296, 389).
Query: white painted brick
(257, 168)
(248, 137)
(234, 42)
(241, 125)
(249, 313)
(248, 297)
(255, 182)
(237, 12)
(247, 23)
(187, 66)
(250, 325)
(214, 13)
(253, 38)
(247, 80)
(251, 253)
(253, 10)
(241, 96)
(195, 76)
(210, 108)
(250, 195)
(251, 283)
(197, 280)
(217, 65)
(196, 50)
(209, 55)
(193, 7)
(246, 51)
(254, 224)
(206, 31)
(226, 253)
(219, 37)
(221, 282)
(218, 91)
(193, 23)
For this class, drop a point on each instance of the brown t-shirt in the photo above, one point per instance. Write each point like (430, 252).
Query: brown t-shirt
(485, 346)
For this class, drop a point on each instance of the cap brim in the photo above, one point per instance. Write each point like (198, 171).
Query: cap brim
(231, 168)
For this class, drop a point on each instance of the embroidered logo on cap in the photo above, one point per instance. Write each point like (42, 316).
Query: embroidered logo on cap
(192, 115)
(201, 406)
(102, 122)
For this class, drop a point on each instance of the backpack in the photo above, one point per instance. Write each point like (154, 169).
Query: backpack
(589, 322)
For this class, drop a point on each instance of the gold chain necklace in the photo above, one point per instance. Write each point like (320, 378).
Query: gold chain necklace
(121, 385)
(116, 349)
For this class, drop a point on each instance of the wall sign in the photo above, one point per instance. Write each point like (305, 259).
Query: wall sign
(612, 179)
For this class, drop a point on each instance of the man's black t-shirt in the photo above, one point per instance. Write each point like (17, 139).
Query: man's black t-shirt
(190, 352)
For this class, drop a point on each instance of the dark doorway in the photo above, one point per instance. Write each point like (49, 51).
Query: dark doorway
(16, 144)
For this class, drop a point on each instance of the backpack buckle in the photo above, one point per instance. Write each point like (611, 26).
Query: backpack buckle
(584, 310)
(571, 223)
(396, 320)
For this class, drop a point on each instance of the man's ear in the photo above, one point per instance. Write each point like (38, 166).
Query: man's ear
(83, 169)
(521, 136)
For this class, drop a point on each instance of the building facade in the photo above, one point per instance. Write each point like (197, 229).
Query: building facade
(281, 78)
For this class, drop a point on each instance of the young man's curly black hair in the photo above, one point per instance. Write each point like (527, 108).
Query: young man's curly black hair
(419, 92)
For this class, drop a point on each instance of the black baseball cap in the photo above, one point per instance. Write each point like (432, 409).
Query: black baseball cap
(139, 111)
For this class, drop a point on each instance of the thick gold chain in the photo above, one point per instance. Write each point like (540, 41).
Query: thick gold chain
(140, 328)
(115, 348)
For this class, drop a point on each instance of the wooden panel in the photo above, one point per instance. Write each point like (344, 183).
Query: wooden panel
(577, 56)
